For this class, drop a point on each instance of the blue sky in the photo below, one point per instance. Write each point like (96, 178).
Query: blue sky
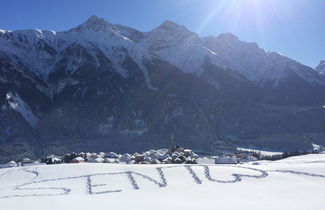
(295, 28)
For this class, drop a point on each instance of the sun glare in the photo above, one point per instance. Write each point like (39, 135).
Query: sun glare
(243, 16)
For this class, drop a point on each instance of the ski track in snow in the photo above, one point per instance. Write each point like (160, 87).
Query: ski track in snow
(131, 176)
(298, 173)
(5, 174)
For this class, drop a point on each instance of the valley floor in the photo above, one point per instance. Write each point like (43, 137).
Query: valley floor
(292, 183)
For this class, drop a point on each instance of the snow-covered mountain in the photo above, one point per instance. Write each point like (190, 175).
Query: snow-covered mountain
(41, 51)
(321, 68)
(185, 49)
(101, 85)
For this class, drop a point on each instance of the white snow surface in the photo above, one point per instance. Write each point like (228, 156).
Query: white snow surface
(263, 152)
(294, 183)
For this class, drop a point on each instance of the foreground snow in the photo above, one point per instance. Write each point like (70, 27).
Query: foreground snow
(293, 183)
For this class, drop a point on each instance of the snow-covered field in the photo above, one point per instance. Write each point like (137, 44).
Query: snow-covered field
(263, 152)
(293, 183)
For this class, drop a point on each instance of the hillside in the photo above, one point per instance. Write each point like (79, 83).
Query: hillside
(106, 87)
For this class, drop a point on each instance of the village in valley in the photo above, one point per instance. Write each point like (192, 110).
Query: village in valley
(174, 155)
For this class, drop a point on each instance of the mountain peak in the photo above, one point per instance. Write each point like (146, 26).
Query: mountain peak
(168, 25)
(96, 20)
(94, 23)
(169, 30)
(228, 37)
(93, 18)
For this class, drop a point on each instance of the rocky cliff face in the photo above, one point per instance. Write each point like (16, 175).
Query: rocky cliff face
(101, 86)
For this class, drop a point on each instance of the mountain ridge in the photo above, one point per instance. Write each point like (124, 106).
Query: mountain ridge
(106, 86)
(212, 45)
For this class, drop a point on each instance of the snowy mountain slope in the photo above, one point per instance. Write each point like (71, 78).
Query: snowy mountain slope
(34, 49)
(225, 60)
(189, 52)
(184, 49)
(256, 64)
(23, 93)
(267, 185)
(181, 47)
(101, 86)
(321, 68)
(42, 50)
(16, 103)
